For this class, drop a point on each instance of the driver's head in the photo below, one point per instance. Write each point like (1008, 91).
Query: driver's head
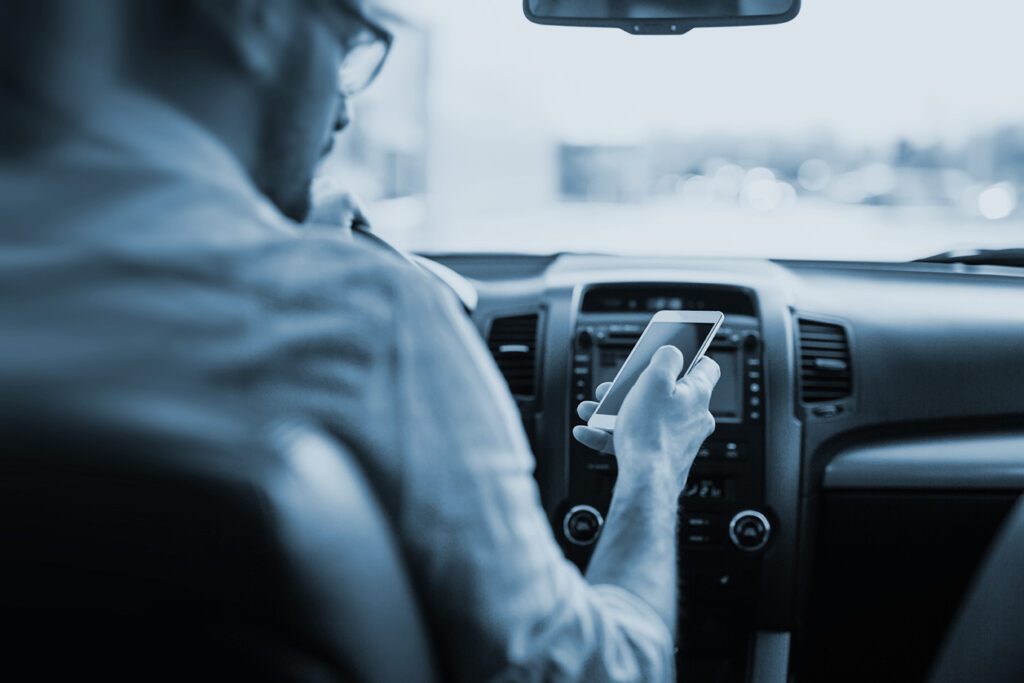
(262, 75)
(294, 63)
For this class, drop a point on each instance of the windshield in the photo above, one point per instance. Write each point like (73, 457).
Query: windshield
(866, 130)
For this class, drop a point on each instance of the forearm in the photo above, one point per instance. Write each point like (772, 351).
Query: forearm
(637, 548)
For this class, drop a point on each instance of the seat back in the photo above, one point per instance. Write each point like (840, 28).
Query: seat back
(154, 556)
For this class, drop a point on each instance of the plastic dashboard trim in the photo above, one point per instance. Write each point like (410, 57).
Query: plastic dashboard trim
(992, 462)
(565, 288)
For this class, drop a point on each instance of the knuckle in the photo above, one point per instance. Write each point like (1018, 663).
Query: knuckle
(715, 370)
(709, 370)
(710, 423)
(688, 395)
(706, 388)
(701, 392)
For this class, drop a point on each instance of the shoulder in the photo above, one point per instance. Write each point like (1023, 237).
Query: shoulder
(316, 281)
(318, 291)
(319, 269)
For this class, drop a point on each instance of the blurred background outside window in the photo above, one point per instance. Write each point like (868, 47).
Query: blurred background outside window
(869, 130)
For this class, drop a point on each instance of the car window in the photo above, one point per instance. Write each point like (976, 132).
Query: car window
(869, 130)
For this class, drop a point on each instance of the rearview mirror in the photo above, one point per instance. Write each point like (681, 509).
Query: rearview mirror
(660, 16)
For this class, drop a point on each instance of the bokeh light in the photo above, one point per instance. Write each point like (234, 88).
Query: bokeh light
(998, 201)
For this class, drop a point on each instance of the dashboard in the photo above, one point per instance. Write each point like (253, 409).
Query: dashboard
(870, 439)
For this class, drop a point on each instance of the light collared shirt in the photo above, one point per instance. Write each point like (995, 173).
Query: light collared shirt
(137, 258)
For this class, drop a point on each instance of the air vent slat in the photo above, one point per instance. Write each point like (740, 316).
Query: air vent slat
(513, 343)
(825, 368)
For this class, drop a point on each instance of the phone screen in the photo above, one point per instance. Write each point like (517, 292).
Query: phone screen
(687, 337)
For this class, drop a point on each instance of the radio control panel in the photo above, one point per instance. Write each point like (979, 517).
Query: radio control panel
(723, 500)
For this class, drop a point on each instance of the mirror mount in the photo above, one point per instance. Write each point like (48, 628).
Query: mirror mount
(656, 28)
(659, 17)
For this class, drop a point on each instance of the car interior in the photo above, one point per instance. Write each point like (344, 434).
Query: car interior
(867, 452)
(856, 516)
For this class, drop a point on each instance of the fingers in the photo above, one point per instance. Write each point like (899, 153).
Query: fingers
(704, 376)
(708, 368)
(709, 424)
(586, 409)
(598, 439)
(664, 369)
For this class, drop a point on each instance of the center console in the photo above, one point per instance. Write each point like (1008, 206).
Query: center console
(724, 525)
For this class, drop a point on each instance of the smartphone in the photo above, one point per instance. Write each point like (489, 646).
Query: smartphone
(689, 331)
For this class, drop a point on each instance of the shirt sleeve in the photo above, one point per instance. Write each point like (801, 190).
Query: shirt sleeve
(501, 597)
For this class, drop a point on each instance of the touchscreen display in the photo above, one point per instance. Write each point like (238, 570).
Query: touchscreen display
(687, 337)
(728, 394)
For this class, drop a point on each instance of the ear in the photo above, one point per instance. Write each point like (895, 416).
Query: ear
(256, 33)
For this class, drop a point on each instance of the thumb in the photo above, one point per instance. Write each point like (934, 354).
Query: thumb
(664, 369)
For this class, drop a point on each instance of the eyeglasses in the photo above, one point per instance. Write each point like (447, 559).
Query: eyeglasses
(366, 46)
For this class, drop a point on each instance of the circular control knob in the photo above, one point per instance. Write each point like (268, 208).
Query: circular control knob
(584, 339)
(750, 530)
(750, 342)
(582, 525)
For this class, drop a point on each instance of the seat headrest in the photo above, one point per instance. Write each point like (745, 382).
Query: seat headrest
(156, 553)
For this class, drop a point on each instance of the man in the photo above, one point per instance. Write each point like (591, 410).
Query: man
(156, 155)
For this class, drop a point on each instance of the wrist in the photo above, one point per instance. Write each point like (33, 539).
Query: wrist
(649, 474)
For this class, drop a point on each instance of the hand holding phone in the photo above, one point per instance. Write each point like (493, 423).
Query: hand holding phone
(662, 421)
(689, 331)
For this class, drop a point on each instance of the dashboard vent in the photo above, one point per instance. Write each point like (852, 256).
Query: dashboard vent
(825, 373)
(513, 342)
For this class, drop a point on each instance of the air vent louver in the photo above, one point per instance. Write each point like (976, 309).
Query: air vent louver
(513, 342)
(825, 372)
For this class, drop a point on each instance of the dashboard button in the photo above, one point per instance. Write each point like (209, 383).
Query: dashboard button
(582, 525)
(749, 530)
(706, 488)
(698, 539)
(700, 528)
(695, 521)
